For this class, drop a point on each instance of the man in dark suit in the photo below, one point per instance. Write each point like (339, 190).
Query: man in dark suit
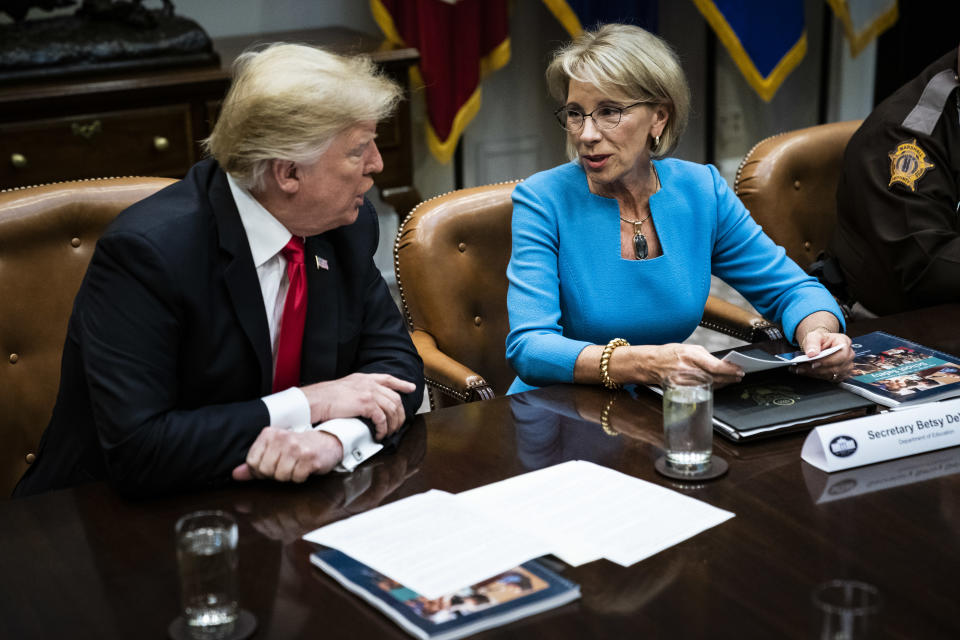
(222, 318)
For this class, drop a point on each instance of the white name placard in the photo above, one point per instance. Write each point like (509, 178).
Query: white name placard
(886, 436)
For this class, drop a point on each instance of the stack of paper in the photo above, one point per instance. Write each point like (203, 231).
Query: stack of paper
(437, 542)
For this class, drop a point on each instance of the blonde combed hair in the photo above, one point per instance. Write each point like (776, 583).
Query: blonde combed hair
(626, 60)
(288, 102)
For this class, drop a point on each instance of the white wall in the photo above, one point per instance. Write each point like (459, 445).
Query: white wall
(239, 17)
(515, 133)
(851, 80)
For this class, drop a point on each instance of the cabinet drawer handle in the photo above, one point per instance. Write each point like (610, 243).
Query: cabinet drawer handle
(18, 160)
(87, 130)
(160, 143)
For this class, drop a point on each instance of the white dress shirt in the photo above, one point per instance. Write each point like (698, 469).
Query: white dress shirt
(289, 409)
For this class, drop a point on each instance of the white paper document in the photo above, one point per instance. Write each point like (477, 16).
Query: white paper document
(585, 511)
(758, 360)
(430, 543)
(436, 543)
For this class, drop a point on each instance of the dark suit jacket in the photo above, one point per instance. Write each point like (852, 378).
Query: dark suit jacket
(168, 351)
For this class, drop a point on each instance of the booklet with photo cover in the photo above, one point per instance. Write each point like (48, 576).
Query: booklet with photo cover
(512, 595)
(773, 402)
(892, 371)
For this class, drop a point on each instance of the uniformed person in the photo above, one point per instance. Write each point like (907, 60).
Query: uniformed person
(897, 239)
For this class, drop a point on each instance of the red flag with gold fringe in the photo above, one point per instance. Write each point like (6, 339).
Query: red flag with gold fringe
(460, 42)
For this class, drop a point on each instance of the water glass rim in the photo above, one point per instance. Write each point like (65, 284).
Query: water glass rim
(226, 516)
(687, 378)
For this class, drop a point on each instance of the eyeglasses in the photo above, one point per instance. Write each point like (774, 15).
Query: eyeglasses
(605, 117)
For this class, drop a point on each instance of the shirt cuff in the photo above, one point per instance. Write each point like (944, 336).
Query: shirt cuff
(353, 434)
(289, 409)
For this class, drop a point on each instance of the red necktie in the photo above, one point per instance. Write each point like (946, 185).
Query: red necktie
(294, 318)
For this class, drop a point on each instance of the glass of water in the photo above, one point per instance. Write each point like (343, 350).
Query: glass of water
(688, 421)
(207, 558)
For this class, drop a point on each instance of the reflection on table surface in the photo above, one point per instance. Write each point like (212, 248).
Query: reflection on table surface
(826, 487)
(87, 563)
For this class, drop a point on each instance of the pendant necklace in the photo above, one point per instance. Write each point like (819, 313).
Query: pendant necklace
(639, 240)
(640, 247)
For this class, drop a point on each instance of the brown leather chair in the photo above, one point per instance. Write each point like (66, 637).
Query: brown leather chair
(47, 235)
(451, 259)
(789, 184)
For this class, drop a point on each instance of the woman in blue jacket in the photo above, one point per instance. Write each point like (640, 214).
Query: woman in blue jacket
(612, 252)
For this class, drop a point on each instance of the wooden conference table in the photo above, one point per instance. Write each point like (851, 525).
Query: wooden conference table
(85, 563)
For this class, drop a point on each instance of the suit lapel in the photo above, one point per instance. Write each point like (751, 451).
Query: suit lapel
(240, 276)
(319, 357)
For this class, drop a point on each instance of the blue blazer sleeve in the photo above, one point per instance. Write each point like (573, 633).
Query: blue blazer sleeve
(748, 260)
(536, 347)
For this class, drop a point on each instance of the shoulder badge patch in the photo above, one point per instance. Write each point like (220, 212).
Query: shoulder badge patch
(908, 164)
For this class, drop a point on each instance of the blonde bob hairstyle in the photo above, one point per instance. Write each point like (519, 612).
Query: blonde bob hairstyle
(625, 61)
(288, 102)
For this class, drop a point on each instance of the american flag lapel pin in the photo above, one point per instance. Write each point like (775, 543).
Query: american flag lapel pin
(321, 263)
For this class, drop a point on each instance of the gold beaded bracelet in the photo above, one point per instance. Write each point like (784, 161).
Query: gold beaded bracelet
(605, 362)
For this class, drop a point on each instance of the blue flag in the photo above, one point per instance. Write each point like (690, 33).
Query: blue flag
(766, 40)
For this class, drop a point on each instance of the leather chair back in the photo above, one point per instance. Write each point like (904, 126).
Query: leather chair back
(47, 236)
(451, 260)
(788, 182)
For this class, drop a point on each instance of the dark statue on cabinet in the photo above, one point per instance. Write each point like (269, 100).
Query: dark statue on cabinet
(99, 36)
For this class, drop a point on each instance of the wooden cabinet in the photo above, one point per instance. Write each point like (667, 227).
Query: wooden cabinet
(150, 142)
(151, 123)
(133, 124)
